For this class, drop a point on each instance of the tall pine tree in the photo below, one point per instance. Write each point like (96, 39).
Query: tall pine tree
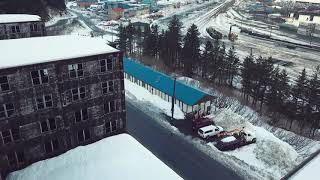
(191, 50)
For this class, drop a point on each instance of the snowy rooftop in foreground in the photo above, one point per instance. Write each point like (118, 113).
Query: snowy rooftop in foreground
(117, 157)
(309, 171)
(12, 18)
(26, 51)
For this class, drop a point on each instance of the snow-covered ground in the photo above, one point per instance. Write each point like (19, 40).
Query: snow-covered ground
(274, 154)
(141, 94)
(117, 157)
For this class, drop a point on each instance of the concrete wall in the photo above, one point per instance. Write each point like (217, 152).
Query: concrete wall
(27, 117)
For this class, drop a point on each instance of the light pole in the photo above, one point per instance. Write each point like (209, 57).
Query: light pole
(173, 97)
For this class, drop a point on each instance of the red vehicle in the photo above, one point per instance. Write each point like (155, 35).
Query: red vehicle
(201, 122)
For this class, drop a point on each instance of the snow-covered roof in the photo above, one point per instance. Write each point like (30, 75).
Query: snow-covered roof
(207, 128)
(117, 157)
(27, 51)
(13, 18)
(228, 139)
(309, 1)
(309, 170)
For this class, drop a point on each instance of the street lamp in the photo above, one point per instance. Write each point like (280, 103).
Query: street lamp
(173, 97)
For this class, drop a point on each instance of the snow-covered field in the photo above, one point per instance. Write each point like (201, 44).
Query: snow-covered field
(117, 157)
(274, 154)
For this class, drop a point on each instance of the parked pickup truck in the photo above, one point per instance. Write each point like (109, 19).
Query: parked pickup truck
(201, 122)
(237, 140)
(209, 131)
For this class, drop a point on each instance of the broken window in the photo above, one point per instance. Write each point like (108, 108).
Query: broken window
(40, 76)
(48, 125)
(15, 29)
(108, 127)
(83, 135)
(6, 110)
(33, 27)
(44, 102)
(81, 115)
(109, 106)
(51, 146)
(6, 136)
(78, 93)
(4, 83)
(107, 65)
(12, 159)
(10, 135)
(15, 158)
(108, 87)
(113, 126)
(75, 70)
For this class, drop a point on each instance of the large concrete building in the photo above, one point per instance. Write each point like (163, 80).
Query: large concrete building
(14, 26)
(56, 93)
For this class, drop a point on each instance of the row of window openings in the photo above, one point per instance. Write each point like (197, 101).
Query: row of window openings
(10, 135)
(16, 29)
(112, 126)
(7, 110)
(42, 76)
(15, 158)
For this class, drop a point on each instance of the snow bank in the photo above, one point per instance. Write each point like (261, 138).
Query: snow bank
(142, 94)
(269, 152)
(116, 157)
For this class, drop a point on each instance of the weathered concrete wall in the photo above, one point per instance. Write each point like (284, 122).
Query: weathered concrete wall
(25, 31)
(28, 118)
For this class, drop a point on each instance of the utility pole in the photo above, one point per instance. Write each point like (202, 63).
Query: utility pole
(173, 97)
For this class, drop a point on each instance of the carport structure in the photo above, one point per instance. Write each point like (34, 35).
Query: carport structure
(189, 99)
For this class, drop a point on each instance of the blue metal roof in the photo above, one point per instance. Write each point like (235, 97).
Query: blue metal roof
(162, 82)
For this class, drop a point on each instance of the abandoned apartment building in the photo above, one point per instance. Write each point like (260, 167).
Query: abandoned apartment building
(14, 26)
(68, 94)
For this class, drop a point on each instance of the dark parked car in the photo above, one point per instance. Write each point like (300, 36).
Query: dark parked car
(201, 122)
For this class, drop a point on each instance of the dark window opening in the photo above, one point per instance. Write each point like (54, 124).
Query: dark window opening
(75, 70)
(40, 76)
(4, 83)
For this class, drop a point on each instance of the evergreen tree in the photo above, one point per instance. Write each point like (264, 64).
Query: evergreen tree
(146, 42)
(299, 91)
(139, 41)
(232, 66)
(174, 39)
(130, 32)
(246, 75)
(313, 101)
(214, 63)
(191, 50)
(154, 38)
(122, 39)
(206, 59)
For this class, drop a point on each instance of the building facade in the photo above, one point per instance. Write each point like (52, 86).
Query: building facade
(14, 26)
(60, 103)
